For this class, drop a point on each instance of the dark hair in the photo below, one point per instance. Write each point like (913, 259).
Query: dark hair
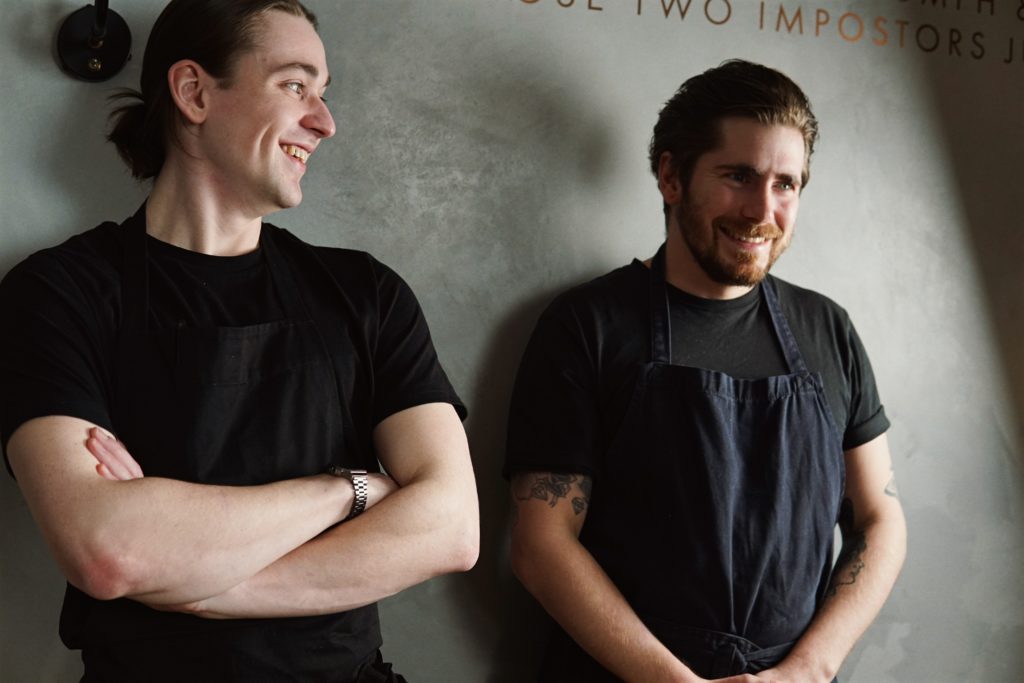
(688, 125)
(211, 32)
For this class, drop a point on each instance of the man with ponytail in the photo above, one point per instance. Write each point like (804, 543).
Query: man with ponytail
(233, 442)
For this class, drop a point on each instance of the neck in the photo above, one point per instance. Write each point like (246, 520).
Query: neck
(185, 209)
(684, 272)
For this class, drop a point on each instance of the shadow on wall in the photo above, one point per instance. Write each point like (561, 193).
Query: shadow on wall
(522, 623)
(525, 149)
(985, 145)
(978, 104)
(561, 155)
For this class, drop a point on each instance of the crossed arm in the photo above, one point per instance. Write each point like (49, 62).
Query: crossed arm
(224, 551)
(550, 510)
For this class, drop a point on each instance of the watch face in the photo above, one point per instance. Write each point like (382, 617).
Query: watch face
(339, 471)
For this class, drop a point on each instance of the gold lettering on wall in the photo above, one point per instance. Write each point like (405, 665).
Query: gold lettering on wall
(951, 29)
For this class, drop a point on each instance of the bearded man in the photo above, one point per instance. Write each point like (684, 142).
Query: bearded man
(686, 432)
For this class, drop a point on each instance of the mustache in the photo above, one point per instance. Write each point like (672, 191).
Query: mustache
(736, 228)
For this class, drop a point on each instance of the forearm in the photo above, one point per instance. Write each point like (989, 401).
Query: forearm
(193, 541)
(429, 526)
(420, 531)
(578, 594)
(547, 556)
(862, 579)
(158, 540)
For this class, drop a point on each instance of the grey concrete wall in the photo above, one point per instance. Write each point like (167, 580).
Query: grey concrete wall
(493, 152)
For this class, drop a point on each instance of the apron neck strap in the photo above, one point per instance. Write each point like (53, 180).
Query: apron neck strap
(661, 328)
(284, 279)
(135, 281)
(794, 359)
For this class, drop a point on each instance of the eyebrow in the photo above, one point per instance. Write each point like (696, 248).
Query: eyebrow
(308, 68)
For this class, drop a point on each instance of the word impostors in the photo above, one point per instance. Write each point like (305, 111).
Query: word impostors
(954, 29)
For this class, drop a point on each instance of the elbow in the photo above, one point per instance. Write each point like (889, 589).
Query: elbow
(464, 548)
(100, 576)
(459, 535)
(469, 552)
(105, 573)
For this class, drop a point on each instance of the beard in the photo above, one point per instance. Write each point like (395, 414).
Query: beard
(728, 267)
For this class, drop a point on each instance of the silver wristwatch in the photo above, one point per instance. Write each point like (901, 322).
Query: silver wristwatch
(360, 487)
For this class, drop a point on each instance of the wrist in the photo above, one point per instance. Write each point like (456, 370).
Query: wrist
(671, 669)
(808, 668)
(360, 483)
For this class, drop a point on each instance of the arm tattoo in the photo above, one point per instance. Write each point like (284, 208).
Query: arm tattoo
(890, 488)
(850, 562)
(551, 488)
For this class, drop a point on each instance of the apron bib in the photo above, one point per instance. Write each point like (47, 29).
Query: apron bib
(231, 406)
(717, 506)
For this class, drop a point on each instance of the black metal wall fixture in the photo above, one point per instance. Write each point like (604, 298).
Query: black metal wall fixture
(93, 43)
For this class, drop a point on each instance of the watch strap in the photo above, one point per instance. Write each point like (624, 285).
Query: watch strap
(360, 487)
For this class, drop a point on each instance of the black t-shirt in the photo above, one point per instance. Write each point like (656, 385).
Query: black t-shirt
(579, 368)
(62, 310)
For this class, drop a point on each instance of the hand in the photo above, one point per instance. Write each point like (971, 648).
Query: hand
(114, 461)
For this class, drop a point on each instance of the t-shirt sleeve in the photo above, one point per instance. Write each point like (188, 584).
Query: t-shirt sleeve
(866, 418)
(554, 416)
(406, 370)
(49, 362)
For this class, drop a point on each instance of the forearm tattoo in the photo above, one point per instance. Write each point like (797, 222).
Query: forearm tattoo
(850, 562)
(552, 488)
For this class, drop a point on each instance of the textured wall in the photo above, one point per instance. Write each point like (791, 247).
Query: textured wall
(493, 152)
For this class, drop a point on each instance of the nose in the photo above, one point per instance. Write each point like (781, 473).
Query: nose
(758, 203)
(319, 119)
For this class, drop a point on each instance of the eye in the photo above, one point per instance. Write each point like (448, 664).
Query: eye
(296, 87)
(738, 176)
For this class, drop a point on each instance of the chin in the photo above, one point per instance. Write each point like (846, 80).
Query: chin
(288, 201)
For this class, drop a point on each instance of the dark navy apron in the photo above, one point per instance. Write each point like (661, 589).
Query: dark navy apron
(231, 406)
(715, 508)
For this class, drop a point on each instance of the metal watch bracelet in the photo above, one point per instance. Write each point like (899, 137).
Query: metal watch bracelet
(360, 487)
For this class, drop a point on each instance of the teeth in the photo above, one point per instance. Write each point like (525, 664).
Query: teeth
(297, 152)
(751, 240)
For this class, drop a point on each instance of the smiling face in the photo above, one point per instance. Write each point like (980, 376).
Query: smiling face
(737, 215)
(266, 121)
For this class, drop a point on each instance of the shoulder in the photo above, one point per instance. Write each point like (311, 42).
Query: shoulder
(606, 297)
(347, 266)
(356, 276)
(593, 326)
(347, 281)
(88, 263)
(808, 309)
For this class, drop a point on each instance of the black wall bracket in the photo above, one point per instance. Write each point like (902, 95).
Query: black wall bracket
(93, 43)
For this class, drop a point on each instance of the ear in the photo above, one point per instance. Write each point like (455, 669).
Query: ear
(189, 85)
(668, 180)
